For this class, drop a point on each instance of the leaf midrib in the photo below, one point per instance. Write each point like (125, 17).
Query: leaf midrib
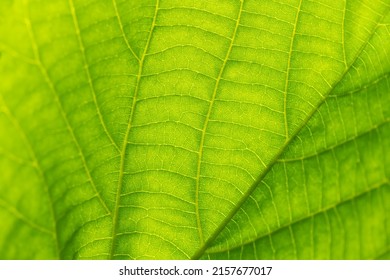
(198, 254)
(376, 187)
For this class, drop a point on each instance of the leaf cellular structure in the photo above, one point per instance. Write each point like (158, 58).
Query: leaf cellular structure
(181, 129)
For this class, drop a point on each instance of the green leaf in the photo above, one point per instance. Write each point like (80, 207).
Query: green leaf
(178, 129)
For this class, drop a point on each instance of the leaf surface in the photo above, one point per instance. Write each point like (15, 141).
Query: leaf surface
(166, 129)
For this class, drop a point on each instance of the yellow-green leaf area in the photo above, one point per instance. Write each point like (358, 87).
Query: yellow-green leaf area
(164, 129)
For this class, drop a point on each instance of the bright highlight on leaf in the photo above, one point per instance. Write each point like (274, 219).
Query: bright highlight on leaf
(181, 129)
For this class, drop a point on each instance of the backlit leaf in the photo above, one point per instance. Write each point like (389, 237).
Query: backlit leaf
(181, 129)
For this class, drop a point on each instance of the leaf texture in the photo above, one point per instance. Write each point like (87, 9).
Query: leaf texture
(167, 129)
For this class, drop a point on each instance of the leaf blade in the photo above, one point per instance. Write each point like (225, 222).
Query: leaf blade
(211, 115)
